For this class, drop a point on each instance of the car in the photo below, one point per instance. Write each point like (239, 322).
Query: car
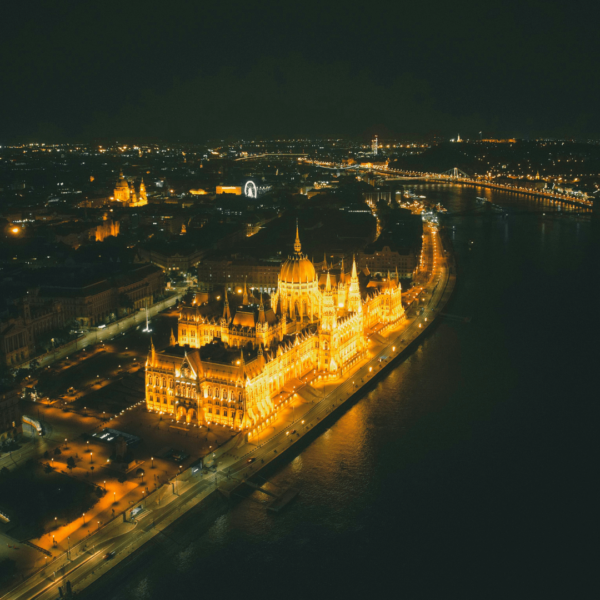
(251, 460)
(110, 555)
(293, 432)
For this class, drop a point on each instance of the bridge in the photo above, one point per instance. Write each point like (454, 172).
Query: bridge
(455, 175)
(267, 155)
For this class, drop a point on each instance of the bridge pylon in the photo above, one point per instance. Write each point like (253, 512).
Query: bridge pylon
(455, 173)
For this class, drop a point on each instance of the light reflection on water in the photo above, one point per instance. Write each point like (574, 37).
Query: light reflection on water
(436, 476)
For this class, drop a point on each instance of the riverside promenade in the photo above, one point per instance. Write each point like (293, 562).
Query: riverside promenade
(239, 460)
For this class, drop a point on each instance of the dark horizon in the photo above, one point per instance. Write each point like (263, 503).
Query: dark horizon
(73, 71)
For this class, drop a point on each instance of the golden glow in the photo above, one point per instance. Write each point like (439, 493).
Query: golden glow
(318, 333)
(15, 230)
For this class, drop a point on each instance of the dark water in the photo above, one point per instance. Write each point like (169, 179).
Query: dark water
(465, 473)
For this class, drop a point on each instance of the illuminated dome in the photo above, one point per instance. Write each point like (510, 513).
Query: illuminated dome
(297, 268)
(122, 183)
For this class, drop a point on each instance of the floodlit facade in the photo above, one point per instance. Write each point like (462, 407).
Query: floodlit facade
(125, 192)
(237, 367)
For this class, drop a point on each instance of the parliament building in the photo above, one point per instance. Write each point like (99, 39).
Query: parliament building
(235, 364)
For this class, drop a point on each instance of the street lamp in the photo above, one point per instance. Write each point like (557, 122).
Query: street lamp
(91, 454)
(152, 459)
(83, 517)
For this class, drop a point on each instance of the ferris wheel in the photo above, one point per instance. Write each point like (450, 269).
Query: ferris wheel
(250, 190)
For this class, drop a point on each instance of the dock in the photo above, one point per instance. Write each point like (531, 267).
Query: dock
(283, 500)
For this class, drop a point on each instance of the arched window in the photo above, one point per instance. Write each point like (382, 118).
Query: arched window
(225, 394)
(164, 382)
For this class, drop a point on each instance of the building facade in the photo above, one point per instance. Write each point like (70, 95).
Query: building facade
(237, 367)
(234, 273)
(10, 414)
(101, 300)
(125, 192)
(404, 260)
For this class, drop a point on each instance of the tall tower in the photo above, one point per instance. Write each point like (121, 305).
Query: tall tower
(143, 195)
(328, 318)
(354, 303)
(374, 146)
(327, 331)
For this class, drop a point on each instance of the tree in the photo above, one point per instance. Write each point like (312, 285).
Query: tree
(4, 472)
(70, 463)
(125, 301)
(46, 454)
(57, 451)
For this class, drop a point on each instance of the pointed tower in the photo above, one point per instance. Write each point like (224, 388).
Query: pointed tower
(143, 199)
(226, 313)
(172, 340)
(245, 296)
(297, 245)
(328, 320)
(152, 351)
(261, 312)
(327, 330)
(354, 303)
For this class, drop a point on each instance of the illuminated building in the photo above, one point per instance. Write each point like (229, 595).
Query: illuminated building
(125, 192)
(107, 228)
(236, 366)
(229, 189)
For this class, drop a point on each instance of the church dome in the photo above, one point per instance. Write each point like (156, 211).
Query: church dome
(297, 268)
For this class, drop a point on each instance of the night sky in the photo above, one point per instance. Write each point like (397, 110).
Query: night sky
(74, 70)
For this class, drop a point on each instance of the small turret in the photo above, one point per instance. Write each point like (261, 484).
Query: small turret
(261, 312)
(245, 296)
(226, 312)
(172, 340)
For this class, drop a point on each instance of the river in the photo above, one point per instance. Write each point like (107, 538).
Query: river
(465, 472)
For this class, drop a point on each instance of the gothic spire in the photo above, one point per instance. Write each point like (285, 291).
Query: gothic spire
(297, 246)
(226, 313)
(261, 311)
